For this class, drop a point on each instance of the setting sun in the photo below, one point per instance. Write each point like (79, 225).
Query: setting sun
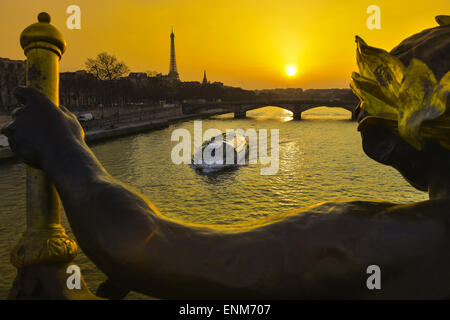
(291, 70)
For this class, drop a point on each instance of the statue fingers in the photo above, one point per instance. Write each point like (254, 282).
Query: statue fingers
(17, 111)
(28, 96)
(25, 95)
(9, 128)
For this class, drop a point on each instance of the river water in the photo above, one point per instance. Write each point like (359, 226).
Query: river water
(320, 159)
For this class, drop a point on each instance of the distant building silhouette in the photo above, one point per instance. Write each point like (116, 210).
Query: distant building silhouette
(137, 75)
(205, 80)
(12, 74)
(173, 72)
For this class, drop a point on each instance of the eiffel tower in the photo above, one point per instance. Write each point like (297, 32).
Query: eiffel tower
(173, 72)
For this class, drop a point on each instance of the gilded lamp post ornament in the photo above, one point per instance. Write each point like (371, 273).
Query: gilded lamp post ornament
(409, 100)
(44, 251)
(45, 240)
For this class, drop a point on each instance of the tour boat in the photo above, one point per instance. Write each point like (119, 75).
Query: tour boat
(227, 141)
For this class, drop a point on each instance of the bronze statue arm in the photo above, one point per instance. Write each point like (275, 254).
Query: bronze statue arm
(315, 252)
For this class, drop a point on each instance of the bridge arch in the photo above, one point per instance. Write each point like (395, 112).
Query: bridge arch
(349, 113)
(272, 111)
(240, 108)
(297, 110)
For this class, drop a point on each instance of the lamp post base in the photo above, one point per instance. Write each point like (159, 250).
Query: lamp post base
(47, 282)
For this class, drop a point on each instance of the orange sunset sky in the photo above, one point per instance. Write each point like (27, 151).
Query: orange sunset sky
(245, 43)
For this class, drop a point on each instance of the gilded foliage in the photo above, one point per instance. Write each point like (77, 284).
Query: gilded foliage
(389, 90)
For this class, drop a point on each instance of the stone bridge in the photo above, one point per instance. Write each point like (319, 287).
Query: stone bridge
(240, 108)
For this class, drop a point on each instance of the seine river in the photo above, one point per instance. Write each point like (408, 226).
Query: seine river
(320, 159)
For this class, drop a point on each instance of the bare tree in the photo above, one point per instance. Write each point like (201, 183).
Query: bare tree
(106, 67)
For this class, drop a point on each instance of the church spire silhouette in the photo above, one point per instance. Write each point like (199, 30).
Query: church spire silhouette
(205, 80)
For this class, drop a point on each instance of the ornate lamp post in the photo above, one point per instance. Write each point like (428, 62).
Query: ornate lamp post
(45, 250)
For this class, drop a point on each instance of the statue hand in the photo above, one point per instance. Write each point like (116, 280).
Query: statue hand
(39, 130)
